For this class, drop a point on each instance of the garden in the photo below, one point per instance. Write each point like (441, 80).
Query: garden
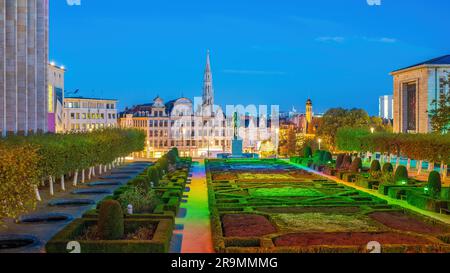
(386, 175)
(268, 206)
(137, 218)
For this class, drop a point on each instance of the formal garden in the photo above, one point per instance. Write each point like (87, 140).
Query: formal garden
(387, 175)
(137, 218)
(275, 206)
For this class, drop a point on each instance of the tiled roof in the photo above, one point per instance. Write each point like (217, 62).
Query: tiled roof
(443, 60)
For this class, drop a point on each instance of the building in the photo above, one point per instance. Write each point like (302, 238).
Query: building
(55, 98)
(197, 128)
(386, 106)
(415, 88)
(23, 66)
(86, 114)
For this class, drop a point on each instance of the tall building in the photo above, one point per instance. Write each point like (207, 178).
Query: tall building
(415, 88)
(23, 66)
(386, 106)
(87, 114)
(55, 97)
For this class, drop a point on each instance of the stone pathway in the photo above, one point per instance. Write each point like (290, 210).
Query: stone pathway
(43, 232)
(193, 221)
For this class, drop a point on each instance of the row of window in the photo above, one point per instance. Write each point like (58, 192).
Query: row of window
(85, 126)
(165, 123)
(91, 116)
(187, 143)
(165, 133)
(90, 105)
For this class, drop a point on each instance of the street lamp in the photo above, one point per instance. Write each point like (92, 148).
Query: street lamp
(320, 142)
(372, 130)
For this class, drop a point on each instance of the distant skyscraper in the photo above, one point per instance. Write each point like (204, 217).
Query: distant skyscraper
(23, 66)
(386, 106)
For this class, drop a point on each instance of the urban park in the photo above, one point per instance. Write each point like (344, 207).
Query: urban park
(86, 193)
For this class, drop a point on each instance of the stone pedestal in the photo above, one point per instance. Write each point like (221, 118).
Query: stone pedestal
(236, 147)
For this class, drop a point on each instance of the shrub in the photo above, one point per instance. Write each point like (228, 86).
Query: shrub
(401, 174)
(434, 184)
(307, 152)
(159, 170)
(110, 221)
(327, 157)
(339, 160)
(153, 175)
(387, 168)
(356, 165)
(141, 183)
(375, 166)
(346, 162)
(322, 156)
(142, 201)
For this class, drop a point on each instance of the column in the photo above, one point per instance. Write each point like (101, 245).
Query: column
(11, 66)
(31, 67)
(21, 99)
(2, 68)
(41, 63)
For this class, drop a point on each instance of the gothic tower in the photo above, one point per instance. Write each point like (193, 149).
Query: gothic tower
(208, 91)
(309, 111)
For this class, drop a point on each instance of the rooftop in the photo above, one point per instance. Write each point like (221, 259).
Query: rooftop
(85, 98)
(443, 60)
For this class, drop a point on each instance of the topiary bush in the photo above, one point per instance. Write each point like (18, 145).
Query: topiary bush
(141, 182)
(110, 220)
(375, 166)
(346, 162)
(339, 160)
(307, 152)
(401, 174)
(356, 165)
(434, 184)
(327, 157)
(153, 175)
(142, 201)
(387, 168)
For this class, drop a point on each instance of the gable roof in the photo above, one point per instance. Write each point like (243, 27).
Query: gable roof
(443, 60)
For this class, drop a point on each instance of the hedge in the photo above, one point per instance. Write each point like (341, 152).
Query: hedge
(27, 160)
(428, 147)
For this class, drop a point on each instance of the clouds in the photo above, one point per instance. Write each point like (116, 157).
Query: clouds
(340, 39)
(328, 39)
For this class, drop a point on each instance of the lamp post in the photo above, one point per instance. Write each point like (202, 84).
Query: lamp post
(320, 142)
(277, 146)
(372, 130)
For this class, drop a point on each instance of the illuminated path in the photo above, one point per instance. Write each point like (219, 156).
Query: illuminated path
(391, 201)
(197, 237)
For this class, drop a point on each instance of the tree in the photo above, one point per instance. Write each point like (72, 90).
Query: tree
(440, 114)
(337, 118)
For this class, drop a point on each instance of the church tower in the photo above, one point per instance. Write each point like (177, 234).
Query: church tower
(309, 111)
(208, 91)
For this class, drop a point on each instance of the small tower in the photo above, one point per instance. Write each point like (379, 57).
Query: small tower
(309, 111)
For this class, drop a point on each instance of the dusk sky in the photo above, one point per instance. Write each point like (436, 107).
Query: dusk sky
(338, 53)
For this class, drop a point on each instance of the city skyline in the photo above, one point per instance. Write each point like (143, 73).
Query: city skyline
(256, 49)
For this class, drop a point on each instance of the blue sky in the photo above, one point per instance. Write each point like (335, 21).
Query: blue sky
(338, 53)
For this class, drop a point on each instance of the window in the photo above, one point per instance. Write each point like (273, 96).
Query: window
(72, 115)
(411, 103)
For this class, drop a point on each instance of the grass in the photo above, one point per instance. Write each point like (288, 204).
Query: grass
(284, 192)
(323, 222)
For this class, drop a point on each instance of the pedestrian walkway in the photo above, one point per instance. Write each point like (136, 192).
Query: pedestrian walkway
(195, 216)
(43, 231)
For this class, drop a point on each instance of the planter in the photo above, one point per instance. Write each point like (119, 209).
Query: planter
(367, 184)
(158, 244)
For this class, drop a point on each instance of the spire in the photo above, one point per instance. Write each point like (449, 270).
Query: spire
(208, 91)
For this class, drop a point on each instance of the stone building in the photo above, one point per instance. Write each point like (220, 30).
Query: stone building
(197, 128)
(415, 88)
(55, 98)
(23, 66)
(87, 114)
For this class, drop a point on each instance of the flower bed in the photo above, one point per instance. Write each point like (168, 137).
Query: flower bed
(401, 221)
(348, 239)
(246, 225)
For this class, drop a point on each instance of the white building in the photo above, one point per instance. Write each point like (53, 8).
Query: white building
(386, 107)
(87, 114)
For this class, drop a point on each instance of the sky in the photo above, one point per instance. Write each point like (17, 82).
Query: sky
(263, 52)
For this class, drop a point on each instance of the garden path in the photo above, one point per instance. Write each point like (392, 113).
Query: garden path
(196, 234)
